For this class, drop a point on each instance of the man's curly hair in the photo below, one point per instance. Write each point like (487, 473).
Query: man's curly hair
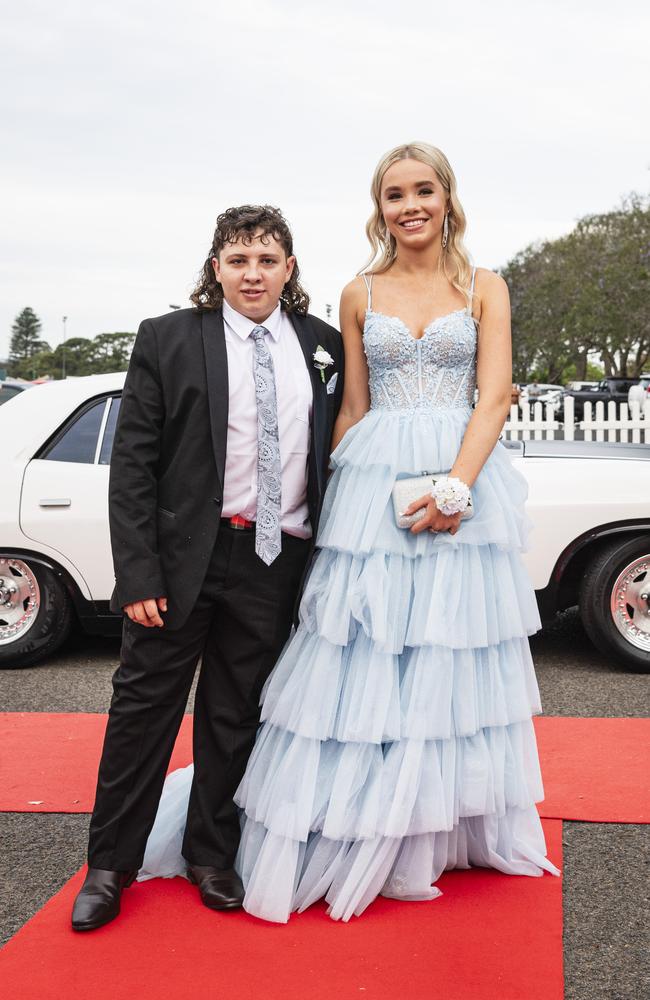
(243, 223)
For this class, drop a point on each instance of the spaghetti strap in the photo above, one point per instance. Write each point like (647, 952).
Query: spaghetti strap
(368, 281)
(470, 307)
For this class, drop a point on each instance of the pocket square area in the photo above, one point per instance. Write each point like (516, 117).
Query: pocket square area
(331, 383)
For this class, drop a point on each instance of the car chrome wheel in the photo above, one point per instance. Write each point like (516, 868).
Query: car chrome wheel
(630, 603)
(20, 599)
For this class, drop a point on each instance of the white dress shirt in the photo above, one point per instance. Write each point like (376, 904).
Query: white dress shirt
(294, 398)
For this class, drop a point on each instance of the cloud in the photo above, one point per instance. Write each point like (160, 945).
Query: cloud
(130, 126)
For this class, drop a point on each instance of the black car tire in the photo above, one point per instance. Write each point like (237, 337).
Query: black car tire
(51, 625)
(595, 599)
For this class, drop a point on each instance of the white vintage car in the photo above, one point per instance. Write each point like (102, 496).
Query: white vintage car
(590, 504)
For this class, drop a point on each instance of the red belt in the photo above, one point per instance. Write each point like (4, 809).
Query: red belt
(239, 522)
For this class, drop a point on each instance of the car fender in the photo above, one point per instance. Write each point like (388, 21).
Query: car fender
(563, 587)
(69, 576)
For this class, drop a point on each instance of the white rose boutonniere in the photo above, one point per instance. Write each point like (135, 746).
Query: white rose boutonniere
(322, 360)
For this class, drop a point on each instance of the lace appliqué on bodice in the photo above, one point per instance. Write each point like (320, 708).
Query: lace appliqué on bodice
(438, 371)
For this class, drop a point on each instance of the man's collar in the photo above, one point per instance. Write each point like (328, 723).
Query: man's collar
(242, 325)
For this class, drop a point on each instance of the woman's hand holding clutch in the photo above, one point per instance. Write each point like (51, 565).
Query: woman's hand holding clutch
(433, 519)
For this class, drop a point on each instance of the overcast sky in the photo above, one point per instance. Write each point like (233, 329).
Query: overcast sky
(129, 126)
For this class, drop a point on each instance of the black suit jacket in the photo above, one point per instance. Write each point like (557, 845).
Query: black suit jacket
(168, 460)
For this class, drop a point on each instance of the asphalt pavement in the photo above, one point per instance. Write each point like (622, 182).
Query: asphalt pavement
(606, 896)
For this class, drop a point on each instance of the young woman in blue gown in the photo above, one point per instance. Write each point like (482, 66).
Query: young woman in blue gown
(396, 738)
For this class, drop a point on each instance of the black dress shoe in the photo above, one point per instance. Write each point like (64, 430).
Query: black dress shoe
(220, 890)
(98, 901)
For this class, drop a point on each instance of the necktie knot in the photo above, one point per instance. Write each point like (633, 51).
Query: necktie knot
(258, 333)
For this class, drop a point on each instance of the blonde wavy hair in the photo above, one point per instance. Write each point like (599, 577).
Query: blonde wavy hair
(454, 259)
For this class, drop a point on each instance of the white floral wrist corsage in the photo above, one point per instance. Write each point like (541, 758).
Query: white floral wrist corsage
(451, 495)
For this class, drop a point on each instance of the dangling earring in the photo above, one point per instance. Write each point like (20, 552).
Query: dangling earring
(445, 231)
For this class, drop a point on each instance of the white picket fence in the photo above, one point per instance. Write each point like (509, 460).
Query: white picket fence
(535, 421)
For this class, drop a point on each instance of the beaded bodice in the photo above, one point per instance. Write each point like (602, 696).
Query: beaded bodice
(438, 371)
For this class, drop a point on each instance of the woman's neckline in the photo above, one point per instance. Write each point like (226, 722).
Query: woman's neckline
(429, 326)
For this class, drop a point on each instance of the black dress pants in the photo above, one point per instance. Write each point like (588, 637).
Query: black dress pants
(238, 627)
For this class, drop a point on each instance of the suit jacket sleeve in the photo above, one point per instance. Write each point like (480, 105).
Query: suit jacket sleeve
(133, 487)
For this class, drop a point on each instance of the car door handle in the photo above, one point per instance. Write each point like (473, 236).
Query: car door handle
(55, 503)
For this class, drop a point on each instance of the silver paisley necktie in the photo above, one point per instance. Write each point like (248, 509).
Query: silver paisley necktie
(269, 467)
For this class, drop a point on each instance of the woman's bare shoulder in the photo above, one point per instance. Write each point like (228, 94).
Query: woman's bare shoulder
(354, 292)
(489, 282)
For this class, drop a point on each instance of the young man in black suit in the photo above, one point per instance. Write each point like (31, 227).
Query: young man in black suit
(217, 478)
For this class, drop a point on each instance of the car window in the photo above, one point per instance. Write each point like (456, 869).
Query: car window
(78, 442)
(109, 432)
(8, 392)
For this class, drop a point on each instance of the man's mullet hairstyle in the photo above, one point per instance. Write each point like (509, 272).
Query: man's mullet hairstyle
(244, 223)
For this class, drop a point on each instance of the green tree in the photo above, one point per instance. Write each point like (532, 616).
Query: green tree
(542, 345)
(111, 352)
(78, 354)
(25, 343)
(587, 291)
(613, 252)
(107, 352)
(42, 364)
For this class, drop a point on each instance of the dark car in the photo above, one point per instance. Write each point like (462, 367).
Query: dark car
(612, 389)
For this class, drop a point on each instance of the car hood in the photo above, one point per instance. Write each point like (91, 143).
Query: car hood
(579, 449)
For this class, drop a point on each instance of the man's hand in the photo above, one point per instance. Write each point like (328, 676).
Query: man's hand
(146, 613)
(433, 519)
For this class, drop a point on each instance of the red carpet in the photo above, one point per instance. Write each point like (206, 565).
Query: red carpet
(489, 937)
(48, 762)
(594, 769)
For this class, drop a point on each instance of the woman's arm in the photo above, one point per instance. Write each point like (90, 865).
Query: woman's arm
(494, 382)
(356, 394)
(493, 378)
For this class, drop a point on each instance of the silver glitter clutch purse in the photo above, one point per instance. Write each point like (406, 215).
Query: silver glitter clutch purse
(405, 491)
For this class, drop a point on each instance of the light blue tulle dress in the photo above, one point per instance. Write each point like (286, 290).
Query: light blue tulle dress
(396, 738)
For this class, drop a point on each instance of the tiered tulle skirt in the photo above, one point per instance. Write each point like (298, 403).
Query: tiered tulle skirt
(396, 737)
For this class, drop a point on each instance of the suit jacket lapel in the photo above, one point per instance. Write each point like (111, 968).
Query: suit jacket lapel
(307, 341)
(216, 369)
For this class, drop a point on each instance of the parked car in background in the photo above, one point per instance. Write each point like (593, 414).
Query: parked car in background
(612, 389)
(536, 390)
(542, 392)
(640, 392)
(580, 386)
(589, 503)
(9, 389)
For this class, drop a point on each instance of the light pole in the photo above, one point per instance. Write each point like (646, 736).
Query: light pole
(65, 320)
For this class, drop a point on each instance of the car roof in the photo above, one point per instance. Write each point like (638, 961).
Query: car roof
(28, 418)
